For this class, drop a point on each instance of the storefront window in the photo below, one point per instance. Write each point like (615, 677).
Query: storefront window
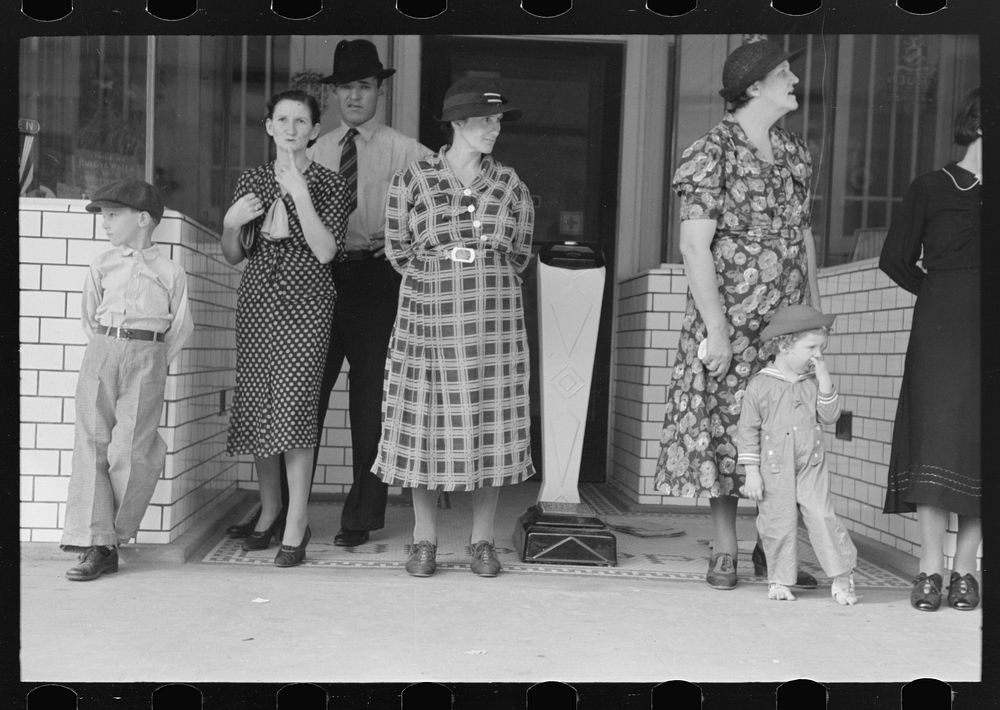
(88, 96)
(876, 111)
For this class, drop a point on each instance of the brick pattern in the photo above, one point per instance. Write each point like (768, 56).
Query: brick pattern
(866, 357)
(57, 240)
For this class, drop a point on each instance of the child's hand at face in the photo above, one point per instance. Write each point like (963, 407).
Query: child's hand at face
(819, 365)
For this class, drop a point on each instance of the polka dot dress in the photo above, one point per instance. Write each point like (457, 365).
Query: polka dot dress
(283, 317)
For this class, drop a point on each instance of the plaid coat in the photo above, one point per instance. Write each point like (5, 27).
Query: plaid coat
(455, 412)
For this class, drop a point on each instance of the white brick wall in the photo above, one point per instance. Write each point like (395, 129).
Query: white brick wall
(865, 356)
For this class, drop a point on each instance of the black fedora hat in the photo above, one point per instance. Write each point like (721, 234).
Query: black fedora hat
(355, 59)
(476, 96)
(751, 62)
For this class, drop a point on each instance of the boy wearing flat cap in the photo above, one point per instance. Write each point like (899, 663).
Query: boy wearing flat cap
(781, 448)
(136, 317)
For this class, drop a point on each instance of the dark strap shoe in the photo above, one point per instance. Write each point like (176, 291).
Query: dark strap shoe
(422, 561)
(721, 571)
(484, 559)
(292, 555)
(94, 561)
(963, 592)
(926, 592)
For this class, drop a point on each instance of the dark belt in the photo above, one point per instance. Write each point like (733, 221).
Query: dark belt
(130, 333)
(359, 256)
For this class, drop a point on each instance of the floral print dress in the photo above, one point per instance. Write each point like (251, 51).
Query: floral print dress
(761, 210)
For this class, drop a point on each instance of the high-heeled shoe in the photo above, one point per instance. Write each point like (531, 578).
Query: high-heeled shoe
(261, 540)
(241, 530)
(291, 555)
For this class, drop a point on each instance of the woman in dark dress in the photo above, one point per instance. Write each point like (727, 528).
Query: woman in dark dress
(934, 467)
(288, 218)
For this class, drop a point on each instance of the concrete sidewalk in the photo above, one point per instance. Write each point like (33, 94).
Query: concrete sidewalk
(162, 620)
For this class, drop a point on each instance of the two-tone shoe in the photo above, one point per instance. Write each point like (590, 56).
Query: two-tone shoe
(926, 592)
(963, 592)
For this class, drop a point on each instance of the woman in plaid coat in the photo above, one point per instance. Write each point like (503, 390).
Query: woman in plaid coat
(455, 407)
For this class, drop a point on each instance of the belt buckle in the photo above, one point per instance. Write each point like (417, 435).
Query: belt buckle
(118, 333)
(463, 255)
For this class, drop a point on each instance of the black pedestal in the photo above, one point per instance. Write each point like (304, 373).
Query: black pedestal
(564, 533)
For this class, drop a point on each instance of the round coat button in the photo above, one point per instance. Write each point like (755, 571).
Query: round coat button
(477, 223)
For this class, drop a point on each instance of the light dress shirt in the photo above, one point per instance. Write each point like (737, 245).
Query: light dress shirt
(382, 151)
(144, 290)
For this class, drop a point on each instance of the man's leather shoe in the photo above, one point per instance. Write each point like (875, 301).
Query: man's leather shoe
(94, 562)
(350, 538)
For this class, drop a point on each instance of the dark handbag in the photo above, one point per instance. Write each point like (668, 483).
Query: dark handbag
(248, 238)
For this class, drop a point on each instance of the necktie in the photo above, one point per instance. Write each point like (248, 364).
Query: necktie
(349, 167)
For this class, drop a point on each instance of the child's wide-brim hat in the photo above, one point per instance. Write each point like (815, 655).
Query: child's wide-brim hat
(795, 319)
(473, 97)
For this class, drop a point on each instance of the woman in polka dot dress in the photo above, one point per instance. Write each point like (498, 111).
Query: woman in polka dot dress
(288, 219)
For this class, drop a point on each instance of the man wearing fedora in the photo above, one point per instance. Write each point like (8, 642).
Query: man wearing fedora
(367, 153)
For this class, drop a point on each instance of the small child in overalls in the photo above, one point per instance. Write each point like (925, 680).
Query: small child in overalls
(136, 317)
(781, 448)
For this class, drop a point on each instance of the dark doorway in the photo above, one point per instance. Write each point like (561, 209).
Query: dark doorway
(566, 149)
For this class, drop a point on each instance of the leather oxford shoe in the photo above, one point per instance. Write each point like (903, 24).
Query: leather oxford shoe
(94, 561)
(350, 538)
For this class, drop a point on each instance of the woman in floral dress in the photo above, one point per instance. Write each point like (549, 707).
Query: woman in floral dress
(455, 409)
(747, 246)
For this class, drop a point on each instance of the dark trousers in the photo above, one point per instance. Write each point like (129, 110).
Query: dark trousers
(363, 319)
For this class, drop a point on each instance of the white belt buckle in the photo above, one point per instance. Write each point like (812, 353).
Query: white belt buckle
(463, 254)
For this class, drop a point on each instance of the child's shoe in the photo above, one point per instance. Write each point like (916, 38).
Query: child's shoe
(779, 592)
(842, 590)
(94, 561)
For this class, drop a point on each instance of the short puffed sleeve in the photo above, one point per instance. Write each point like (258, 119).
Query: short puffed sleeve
(699, 180)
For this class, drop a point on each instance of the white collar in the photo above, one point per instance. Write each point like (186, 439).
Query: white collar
(773, 371)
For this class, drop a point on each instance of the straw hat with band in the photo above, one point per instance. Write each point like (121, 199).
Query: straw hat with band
(356, 59)
(474, 97)
(749, 63)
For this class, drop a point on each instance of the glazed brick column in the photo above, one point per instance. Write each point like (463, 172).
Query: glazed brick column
(647, 326)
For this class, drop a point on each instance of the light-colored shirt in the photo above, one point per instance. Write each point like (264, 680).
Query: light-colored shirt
(382, 151)
(143, 290)
(778, 412)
